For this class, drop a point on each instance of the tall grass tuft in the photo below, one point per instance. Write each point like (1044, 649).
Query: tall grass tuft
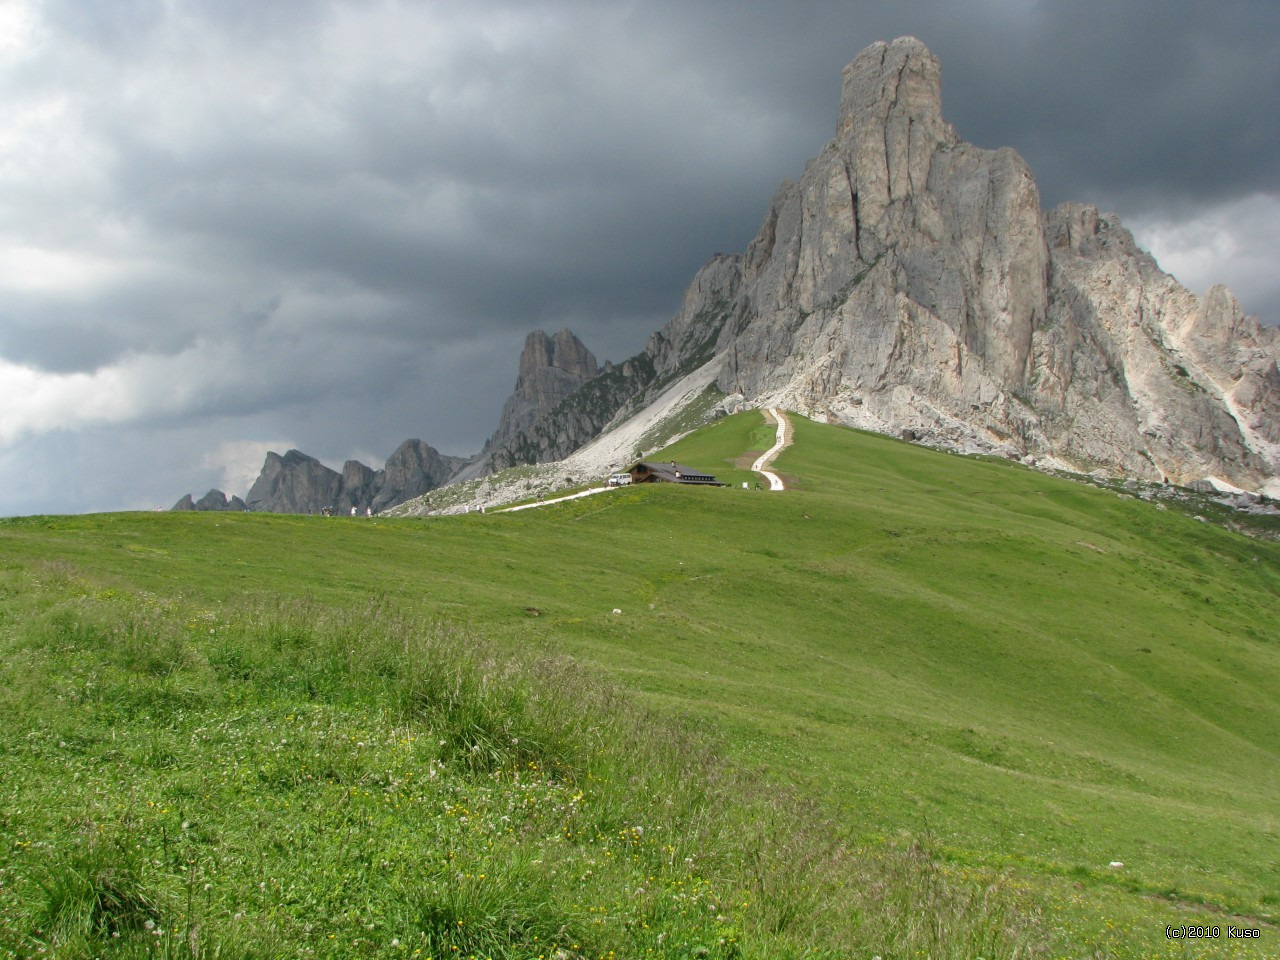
(919, 906)
(94, 894)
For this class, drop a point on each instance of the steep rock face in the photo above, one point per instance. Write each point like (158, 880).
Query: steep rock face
(294, 483)
(902, 254)
(297, 483)
(687, 342)
(910, 281)
(414, 469)
(359, 487)
(1134, 371)
(551, 368)
(217, 500)
(689, 339)
(575, 420)
(1238, 357)
(213, 500)
(533, 427)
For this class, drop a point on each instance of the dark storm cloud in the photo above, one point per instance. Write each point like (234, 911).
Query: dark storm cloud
(1143, 102)
(333, 223)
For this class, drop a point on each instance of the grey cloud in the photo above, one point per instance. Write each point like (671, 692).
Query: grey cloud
(1137, 100)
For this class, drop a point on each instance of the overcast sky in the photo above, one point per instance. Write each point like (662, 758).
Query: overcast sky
(236, 225)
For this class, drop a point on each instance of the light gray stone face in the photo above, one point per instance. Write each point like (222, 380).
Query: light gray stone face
(294, 483)
(551, 368)
(910, 281)
(1138, 373)
(414, 469)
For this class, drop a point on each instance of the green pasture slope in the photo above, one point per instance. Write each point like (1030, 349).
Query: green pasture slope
(945, 684)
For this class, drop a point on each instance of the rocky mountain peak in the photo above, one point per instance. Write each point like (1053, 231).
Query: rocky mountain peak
(298, 483)
(910, 281)
(891, 122)
(545, 356)
(551, 368)
(214, 500)
(414, 468)
(898, 80)
(293, 483)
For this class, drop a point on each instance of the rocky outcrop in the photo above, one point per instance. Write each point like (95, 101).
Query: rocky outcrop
(294, 483)
(1133, 372)
(213, 500)
(575, 420)
(617, 391)
(551, 368)
(359, 486)
(414, 469)
(535, 425)
(297, 483)
(910, 282)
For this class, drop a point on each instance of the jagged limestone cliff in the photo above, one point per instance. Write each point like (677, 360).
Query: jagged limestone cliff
(618, 391)
(298, 483)
(413, 469)
(910, 282)
(533, 427)
(551, 368)
(214, 500)
(294, 483)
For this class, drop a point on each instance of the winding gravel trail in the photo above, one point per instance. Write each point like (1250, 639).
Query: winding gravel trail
(547, 503)
(783, 441)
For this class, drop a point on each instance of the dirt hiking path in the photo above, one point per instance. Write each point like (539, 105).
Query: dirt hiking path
(774, 415)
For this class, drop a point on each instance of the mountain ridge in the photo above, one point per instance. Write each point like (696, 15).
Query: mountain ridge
(911, 284)
(298, 483)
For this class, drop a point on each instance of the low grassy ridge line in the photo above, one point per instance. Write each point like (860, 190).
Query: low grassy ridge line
(291, 779)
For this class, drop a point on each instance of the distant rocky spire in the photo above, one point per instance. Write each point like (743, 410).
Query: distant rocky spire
(213, 500)
(551, 368)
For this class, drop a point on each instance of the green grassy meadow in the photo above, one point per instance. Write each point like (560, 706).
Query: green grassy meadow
(914, 706)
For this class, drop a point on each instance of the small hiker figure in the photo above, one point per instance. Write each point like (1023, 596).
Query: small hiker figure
(368, 511)
(353, 510)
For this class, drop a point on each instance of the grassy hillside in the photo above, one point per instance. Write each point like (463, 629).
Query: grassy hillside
(1026, 677)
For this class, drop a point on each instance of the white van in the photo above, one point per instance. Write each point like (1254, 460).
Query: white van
(620, 480)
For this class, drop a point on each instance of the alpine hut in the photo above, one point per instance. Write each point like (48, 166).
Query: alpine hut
(671, 472)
